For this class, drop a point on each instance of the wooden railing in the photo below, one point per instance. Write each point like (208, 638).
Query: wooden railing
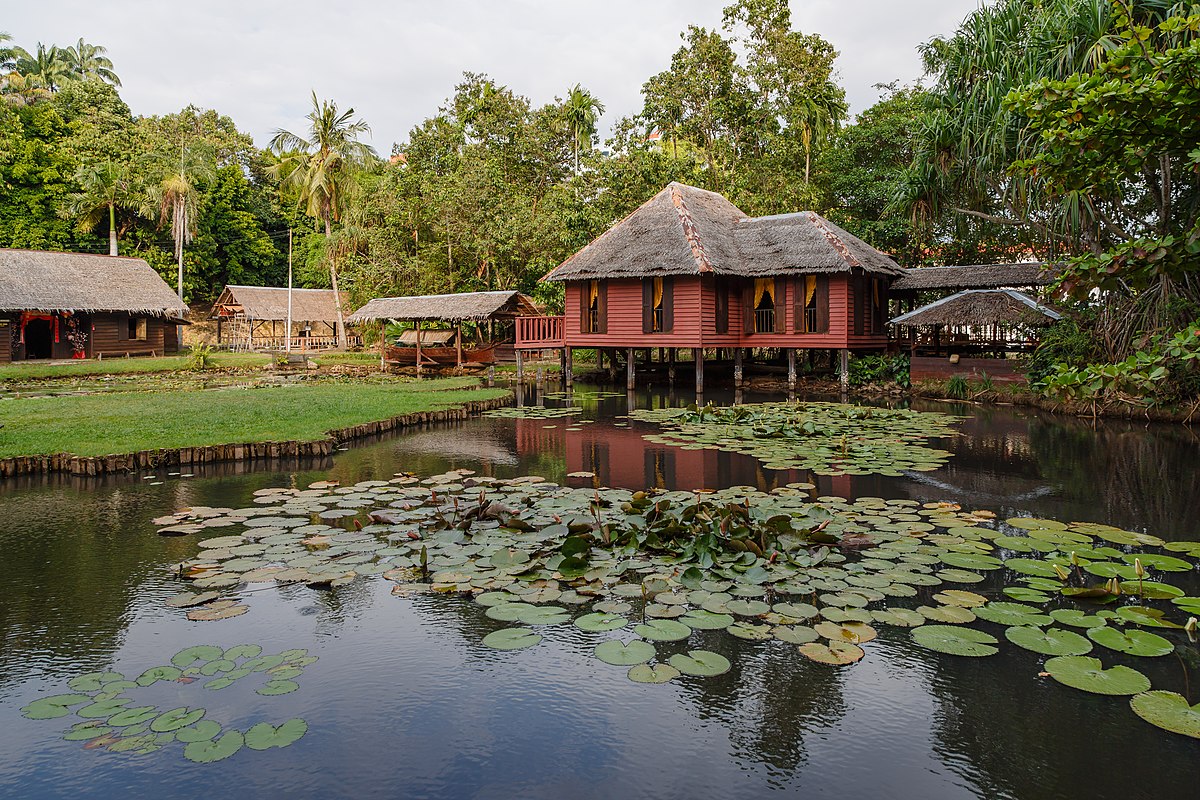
(300, 344)
(764, 320)
(537, 333)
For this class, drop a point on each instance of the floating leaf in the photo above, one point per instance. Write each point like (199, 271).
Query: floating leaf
(960, 597)
(624, 654)
(175, 719)
(702, 663)
(663, 630)
(201, 652)
(834, 653)
(1011, 614)
(207, 751)
(700, 619)
(1169, 711)
(795, 634)
(58, 705)
(1133, 642)
(133, 716)
(511, 639)
(750, 632)
(659, 673)
(93, 681)
(1077, 619)
(900, 617)
(190, 599)
(597, 622)
(241, 651)
(1049, 642)
(212, 614)
(87, 730)
(264, 735)
(156, 674)
(1026, 595)
(103, 708)
(955, 641)
(747, 608)
(1150, 617)
(274, 687)
(202, 731)
(1089, 675)
(853, 632)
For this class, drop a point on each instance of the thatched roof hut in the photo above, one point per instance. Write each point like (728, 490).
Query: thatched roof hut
(684, 230)
(981, 308)
(976, 276)
(270, 303)
(40, 281)
(470, 306)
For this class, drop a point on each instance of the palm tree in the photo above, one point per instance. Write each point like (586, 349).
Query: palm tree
(88, 61)
(582, 111)
(47, 64)
(105, 187)
(8, 55)
(176, 198)
(22, 90)
(320, 167)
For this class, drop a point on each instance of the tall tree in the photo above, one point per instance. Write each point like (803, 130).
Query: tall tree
(319, 166)
(89, 61)
(47, 64)
(582, 111)
(8, 54)
(175, 197)
(105, 187)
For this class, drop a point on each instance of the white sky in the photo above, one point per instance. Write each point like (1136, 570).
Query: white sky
(395, 63)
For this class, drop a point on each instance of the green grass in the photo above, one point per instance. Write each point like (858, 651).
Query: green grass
(107, 424)
(364, 358)
(124, 366)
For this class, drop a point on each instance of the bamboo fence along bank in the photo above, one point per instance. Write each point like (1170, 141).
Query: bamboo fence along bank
(243, 451)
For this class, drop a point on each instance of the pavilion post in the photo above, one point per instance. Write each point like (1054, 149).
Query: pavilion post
(382, 343)
(418, 348)
(791, 356)
(630, 370)
(671, 365)
(458, 346)
(737, 366)
(844, 368)
(699, 353)
(520, 366)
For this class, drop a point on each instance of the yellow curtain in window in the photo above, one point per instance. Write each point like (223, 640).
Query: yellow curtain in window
(658, 292)
(764, 286)
(810, 289)
(593, 294)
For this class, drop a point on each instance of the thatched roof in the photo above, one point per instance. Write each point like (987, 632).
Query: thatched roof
(36, 280)
(271, 303)
(976, 276)
(683, 230)
(980, 307)
(448, 307)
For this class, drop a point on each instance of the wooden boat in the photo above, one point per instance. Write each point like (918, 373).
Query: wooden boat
(440, 356)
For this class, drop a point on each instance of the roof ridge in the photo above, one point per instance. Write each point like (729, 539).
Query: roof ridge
(689, 229)
(834, 240)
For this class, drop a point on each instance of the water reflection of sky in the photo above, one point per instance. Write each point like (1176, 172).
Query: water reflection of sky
(404, 701)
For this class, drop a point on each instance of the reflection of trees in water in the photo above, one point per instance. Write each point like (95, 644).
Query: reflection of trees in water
(1140, 477)
(1045, 741)
(772, 697)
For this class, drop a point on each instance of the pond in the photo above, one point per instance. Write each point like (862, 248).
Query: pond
(404, 700)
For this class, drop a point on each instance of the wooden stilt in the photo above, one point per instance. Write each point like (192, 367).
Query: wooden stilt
(671, 365)
(458, 348)
(844, 368)
(383, 344)
(418, 348)
(791, 358)
(737, 366)
(699, 354)
(630, 370)
(612, 365)
(568, 367)
(520, 365)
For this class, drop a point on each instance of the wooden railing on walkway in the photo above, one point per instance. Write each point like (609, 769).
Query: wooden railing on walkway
(300, 344)
(539, 333)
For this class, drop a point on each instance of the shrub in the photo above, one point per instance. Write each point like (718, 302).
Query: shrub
(957, 387)
(879, 369)
(1063, 343)
(201, 357)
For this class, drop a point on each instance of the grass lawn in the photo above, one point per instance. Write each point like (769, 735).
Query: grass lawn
(124, 366)
(108, 424)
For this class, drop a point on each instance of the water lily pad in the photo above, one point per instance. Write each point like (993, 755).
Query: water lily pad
(275, 687)
(624, 654)
(175, 719)
(663, 630)
(750, 631)
(899, 617)
(794, 634)
(835, 653)
(207, 751)
(597, 622)
(853, 632)
(747, 608)
(659, 673)
(1143, 615)
(1011, 614)
(1077, 619)
(1032, 566)
(701, 663)
(87, 730)
(1169, 711)
(960, 597)
(511, 639)
(156, 674)
(93, 681)
(133, 716)
(203, 731)
(1048, 642)
(58, 705)
(950, 615)
(955, 641)
(240, 651)
(1026, 595)
(201, 652)
(210, 614)
(102, 709)
(701, 619)
(1134, 642)
(264, 735)
(1089, 675)
(543, 615)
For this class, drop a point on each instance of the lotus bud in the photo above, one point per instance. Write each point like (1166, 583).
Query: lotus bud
(1138, 569)
(1113, 586)
(1074, 559)
(1062, 573)
(1191, 625)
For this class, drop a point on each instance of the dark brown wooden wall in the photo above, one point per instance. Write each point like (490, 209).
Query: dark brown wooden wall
(109, 336)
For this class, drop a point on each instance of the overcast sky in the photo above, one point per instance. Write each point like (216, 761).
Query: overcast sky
(395, 63)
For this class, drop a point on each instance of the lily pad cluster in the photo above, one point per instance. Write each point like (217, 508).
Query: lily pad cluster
(656, 576)
(104, 704)
(534, 412)
(827, 438)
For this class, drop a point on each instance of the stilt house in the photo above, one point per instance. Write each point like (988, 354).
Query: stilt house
(78, 305)
(688, 269)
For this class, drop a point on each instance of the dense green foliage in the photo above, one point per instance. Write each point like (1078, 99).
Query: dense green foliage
(879, 369)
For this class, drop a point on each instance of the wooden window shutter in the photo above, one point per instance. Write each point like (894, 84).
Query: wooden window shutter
(748, 306)
(721, 287)
(584, 289)
(781, 293)
(798, 305)
(822, 298)
(647, 305)
(668, 305)
(122, 329)
(856, 303)
(603, 310)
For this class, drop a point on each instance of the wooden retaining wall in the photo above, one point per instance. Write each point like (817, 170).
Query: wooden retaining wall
(250, 451)
(1000, 370)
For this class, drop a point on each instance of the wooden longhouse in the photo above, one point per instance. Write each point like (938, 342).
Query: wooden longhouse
(425, 347)
(256, 318)
(78, 305)
(689, 270)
